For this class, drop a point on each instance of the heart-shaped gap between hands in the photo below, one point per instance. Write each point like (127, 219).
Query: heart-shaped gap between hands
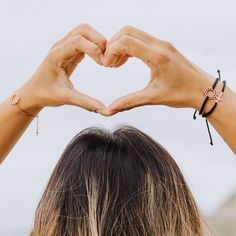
(170, 81)
(109, 84)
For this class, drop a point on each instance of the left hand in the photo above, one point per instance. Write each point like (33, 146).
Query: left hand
(175, 81)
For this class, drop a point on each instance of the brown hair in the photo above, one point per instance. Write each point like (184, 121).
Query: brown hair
(117, 183)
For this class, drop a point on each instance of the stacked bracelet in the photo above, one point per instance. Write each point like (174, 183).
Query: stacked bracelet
(211, 94)
(217, 101)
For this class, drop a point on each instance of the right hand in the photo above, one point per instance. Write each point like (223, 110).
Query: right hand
(175, 81)
(51, 85)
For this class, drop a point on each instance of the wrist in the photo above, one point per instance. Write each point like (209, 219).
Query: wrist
(200, 83)
(29, 100)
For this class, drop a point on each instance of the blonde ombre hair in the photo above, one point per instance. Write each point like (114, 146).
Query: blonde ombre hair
(116, 183)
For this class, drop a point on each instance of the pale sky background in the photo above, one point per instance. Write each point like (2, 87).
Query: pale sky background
(204, 31)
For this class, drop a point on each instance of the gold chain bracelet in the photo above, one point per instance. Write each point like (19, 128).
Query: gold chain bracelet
(14, 100)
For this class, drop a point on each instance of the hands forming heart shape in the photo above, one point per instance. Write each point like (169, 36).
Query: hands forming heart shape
(175, 81)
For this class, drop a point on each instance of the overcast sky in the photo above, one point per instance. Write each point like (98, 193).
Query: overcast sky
(204, 31)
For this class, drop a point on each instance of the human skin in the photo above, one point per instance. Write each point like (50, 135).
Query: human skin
(175, 82)
(51, 85)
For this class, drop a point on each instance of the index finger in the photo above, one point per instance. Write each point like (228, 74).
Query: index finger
(75, 46)
(89, 33)
(130, 46)
(135, 33)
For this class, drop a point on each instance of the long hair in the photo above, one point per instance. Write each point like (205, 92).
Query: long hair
(113, 183)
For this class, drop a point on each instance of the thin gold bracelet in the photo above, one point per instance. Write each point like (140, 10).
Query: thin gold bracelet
(14, 100)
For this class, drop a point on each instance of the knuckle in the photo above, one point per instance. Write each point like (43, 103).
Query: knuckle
(94, 50)
(64, 47)
(169, 46)
(51, 57)
(124, 39)
(84, 26)
(158, 58)
(88, 107)
(108, 43)
(75, 39)
(162, 58)
(102, 41)
(127, 29)
(55, 45)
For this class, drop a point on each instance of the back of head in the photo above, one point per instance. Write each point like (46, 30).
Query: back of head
(116, 183)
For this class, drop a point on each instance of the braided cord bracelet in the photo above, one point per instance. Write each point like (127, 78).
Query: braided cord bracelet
(211, 94)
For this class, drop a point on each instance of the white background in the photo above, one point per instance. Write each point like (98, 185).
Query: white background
(204, 31)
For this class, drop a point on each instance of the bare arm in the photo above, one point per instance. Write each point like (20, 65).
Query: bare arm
(175, 81)
(13, 123)
(50, 85)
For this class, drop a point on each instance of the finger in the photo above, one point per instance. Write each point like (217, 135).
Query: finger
(109, 59)
(79, 99)
(128, 102)
(116, 61)
(72, 64)
(135, 33)
(122, 61)
(74, 46)
(131, 47)
(90, 34)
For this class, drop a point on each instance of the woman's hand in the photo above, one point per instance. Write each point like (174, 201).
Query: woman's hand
(175, 81)
(51, 85)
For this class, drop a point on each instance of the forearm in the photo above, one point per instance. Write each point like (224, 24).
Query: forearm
(13, 122)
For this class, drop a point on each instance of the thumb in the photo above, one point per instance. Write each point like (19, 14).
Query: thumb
(79, 99)
(136, 99)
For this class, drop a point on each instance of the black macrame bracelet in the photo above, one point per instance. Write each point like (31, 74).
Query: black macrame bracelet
(218, 100)
(207, 97)
(214, 96)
